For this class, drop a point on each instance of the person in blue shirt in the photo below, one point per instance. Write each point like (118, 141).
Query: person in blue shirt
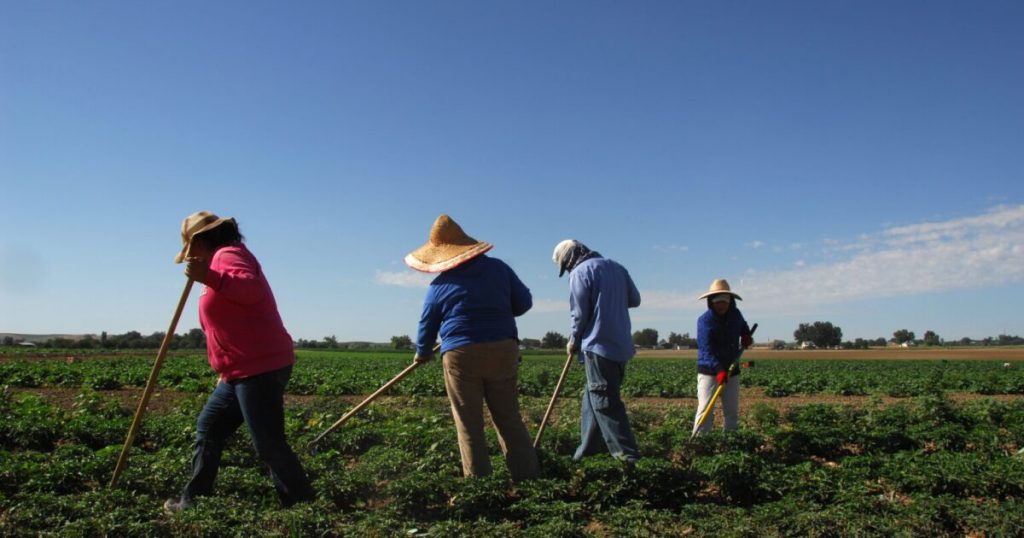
(601, 293)
(472, 304)
(721, 330)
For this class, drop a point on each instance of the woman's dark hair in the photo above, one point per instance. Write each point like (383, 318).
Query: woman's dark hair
(224, 234)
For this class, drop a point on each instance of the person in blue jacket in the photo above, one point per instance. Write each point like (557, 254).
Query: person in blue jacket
(601, 293)
(721, 330)
(473, 304)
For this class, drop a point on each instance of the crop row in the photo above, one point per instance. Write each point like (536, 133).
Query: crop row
(928, 467)
(344, 373)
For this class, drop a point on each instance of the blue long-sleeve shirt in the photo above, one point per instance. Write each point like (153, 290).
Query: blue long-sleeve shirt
(601, 293)
(718, 339)
(472, 303)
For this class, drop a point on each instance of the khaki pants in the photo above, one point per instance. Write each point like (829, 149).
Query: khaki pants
(488, 372)
(729, 399)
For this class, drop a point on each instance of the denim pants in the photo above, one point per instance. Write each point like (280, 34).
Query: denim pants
(603, 420)
(488, 373)
(259, 402)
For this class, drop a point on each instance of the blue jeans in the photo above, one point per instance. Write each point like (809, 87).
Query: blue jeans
(603, 420)
(259, 402)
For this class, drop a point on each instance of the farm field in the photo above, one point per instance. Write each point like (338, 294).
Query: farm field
(831, 444)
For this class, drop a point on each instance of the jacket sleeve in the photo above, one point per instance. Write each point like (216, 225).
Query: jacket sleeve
(235, 277)
(522, 300)
(633, 294)
(580, 307)
(704, 346)
(430, 324)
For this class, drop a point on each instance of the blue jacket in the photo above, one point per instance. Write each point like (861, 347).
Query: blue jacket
(600, 296)
(472, 303)
(718, 340)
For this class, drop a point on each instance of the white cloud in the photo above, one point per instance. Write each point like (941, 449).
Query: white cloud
(755, 244)
(975, 252)
(403, 279)
(671, 248)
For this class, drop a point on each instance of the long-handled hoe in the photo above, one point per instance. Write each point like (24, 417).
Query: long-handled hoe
(150, 385)
(714, 397)
(370, 398)
(551, 404)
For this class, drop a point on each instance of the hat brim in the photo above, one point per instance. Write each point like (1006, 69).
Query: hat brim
(180, 257)
(434, 259)
(720, 292)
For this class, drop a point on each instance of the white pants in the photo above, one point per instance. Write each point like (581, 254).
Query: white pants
(729, 398)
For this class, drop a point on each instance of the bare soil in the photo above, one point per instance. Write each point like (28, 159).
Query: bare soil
(162, 401)
(1003, 353)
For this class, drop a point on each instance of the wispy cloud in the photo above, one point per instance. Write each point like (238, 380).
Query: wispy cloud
(755, 244)
(671, 248)
(403, 279)
(973, 252)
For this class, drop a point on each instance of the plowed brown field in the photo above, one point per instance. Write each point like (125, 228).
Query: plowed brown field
(1007, 353)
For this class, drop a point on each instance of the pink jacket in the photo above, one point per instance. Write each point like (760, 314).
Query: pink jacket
(244, 332)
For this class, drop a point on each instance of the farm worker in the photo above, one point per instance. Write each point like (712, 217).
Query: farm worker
(601, 293)
(720, 332)
(473, 303)
(249, 348)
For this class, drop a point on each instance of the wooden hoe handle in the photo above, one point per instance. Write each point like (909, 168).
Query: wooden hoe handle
(150, 385)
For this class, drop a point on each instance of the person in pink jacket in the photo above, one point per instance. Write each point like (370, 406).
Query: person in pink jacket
(249, 348)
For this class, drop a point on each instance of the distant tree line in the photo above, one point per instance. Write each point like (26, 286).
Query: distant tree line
(194, 339)
(819, 334)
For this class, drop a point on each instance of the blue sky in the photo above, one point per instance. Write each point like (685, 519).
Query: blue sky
(855, 162)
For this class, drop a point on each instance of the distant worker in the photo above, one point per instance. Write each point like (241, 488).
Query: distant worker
(248, 346)
(473, 304)
(601, 293)
(721, 330)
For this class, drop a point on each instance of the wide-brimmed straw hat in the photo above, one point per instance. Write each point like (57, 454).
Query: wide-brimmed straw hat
(717, 287)
(195, 224)
(447, 248)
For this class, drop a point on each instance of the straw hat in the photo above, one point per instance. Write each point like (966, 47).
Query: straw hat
(447, 248)
(717, 287)
(195, 224)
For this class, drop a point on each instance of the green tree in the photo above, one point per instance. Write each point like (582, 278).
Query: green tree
(1010, 340)
(130, 340)
(401, 342)
(901, 336)
(553, 340)
(530, 343)
(87, 342)
(681, 341)
(195, 339)
(646, 338)
(931, 339)
(820, 333)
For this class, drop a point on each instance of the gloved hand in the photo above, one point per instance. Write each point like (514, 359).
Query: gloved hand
(196, 269)
(571, 348)
(421, 358)
(747, 340)
(722, 377)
